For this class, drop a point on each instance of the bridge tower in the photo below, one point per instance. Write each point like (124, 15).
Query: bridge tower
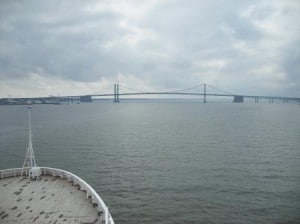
(118, 100)
(204, 98)
(116, 93)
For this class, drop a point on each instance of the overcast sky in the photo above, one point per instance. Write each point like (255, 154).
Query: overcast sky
(70, 47)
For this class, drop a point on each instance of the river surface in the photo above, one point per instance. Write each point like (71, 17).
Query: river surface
(168, 162)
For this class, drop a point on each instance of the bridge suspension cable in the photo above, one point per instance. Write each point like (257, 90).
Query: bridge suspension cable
(173, 91)
(223, 91)
(128, 88)
(179, 90)
(187, 89)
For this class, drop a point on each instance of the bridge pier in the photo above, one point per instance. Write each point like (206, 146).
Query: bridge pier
(271, 100)
(238, 99)
(116, 93)
(256, 99)
(86, 99)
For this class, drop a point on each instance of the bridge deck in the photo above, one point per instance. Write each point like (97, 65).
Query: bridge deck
(198, 94)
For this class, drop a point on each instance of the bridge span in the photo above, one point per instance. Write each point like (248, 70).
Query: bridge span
(237, 98)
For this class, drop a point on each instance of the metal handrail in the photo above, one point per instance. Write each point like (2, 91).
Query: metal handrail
(90, 192)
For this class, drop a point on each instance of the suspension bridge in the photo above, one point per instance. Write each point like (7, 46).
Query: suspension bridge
(200, 91)
(236, 98)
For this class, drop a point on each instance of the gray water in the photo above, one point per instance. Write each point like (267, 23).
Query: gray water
(170, 162)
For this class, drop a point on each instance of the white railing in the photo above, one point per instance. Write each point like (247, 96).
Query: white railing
(84, 186)
(10, 173)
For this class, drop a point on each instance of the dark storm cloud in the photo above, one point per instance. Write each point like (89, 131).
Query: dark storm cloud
(53, 41)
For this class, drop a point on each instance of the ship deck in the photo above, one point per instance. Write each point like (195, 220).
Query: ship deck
(48, 200)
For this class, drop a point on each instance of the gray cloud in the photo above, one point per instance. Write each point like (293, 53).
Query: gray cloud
(244, 46)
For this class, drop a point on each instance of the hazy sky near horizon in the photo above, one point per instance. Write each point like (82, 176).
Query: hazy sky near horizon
(75, 47)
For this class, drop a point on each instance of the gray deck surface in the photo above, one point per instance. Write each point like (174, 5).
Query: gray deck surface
(49, 200)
